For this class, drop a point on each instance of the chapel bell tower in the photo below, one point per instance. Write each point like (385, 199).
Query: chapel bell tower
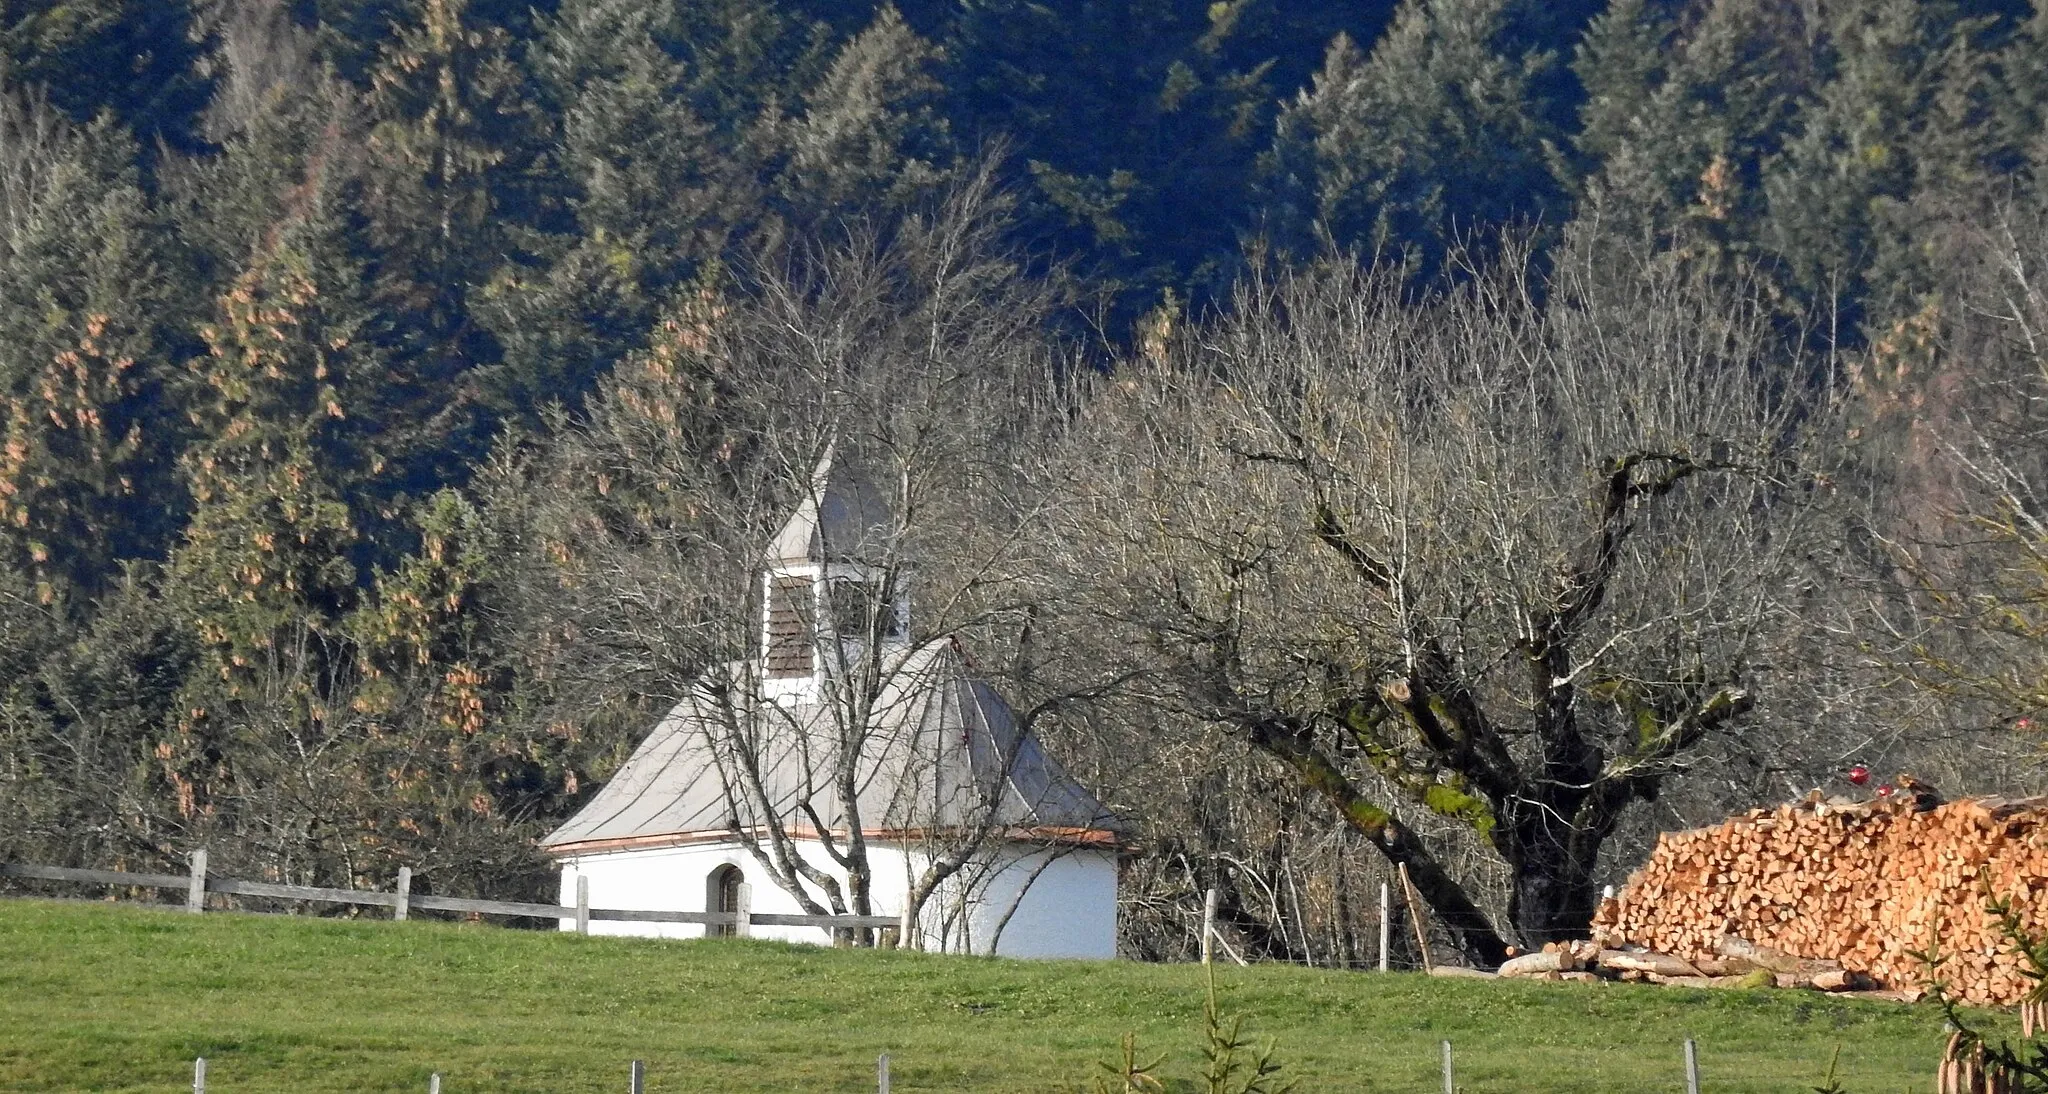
(831, 584)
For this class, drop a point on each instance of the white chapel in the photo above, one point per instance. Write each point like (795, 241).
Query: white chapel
(753, 778)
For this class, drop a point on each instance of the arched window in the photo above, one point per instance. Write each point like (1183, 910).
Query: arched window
(722, 894)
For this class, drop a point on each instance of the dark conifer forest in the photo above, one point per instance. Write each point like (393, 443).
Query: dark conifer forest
(1472, 435)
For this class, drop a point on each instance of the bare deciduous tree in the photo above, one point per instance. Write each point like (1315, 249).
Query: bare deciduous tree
(1511, 558)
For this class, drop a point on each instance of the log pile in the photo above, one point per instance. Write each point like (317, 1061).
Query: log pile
(1823, 892)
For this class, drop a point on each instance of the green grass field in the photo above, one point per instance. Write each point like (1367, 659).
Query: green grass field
(109, 997)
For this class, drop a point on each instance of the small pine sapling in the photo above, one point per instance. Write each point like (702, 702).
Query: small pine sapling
(1231, 1062)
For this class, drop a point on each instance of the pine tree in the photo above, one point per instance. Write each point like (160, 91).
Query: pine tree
(268, 567)
(871, 134)
(83, 311)
(1681, 139)
(449, 149)
(1434, 136)
(131, 59)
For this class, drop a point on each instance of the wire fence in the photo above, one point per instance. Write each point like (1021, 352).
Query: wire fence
(636, 1072)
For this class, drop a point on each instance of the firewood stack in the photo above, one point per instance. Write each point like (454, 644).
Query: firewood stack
(1866, 885)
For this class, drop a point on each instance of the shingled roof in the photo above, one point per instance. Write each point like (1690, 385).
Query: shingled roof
(939, 746)
(842, 517)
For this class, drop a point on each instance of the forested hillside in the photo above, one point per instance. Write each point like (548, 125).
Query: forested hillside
(1468, 434)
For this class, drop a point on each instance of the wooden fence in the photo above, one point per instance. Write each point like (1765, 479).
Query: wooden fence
(402, 901)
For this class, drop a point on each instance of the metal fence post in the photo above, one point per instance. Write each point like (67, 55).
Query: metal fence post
(1692, 1067)
(404, 906)
(582, 904)
(1209, 923)
(636, 1078)
(1450, 1084)
(1386, 922)
(743, 912)
(199, 1076)
(195, 893)
(882, 1073)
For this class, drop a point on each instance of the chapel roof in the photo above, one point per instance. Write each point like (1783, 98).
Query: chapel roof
(939, 746)
(842, 516)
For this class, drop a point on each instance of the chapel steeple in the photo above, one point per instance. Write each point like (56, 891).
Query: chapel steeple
(831, 582)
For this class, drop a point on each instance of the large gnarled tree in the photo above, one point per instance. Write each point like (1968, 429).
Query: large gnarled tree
(1508, 561)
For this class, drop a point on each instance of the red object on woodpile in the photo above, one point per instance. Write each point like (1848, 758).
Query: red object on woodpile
(1859, 774)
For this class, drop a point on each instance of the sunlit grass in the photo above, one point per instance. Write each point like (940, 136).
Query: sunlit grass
(109, 997)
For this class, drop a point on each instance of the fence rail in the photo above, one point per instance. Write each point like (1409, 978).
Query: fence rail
(198, 883)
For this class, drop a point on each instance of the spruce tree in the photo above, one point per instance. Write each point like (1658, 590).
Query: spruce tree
(640, 193)
(447, 782)
(1676, 143)
(1140, 124)
(1620, 61)
(445, 183)
(1432, 137)
(269, 565)
(871, 134)
(1842, 193)
(131, 59)
(84, 308)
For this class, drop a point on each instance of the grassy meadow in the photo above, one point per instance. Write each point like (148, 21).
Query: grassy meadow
(110, 997)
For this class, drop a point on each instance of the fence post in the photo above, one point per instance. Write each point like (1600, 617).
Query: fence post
(199, 1076)
(1209, 923)
(1450, 1084)
(743, 911)
(1692, 1067)
(434, 1083)
(882, 1073)
(1415, 914)
(636, 1078)
(1386, 922)
(404, 906)
(195, 894)
(582, 904)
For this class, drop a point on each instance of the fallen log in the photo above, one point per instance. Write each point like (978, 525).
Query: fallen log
(1534, 964)
(1645, 961)
(1723, 982)
(1735, 948)
(1840, 980)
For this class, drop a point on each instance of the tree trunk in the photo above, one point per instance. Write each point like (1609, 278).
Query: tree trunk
(1469, 926)
(1551, 899)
